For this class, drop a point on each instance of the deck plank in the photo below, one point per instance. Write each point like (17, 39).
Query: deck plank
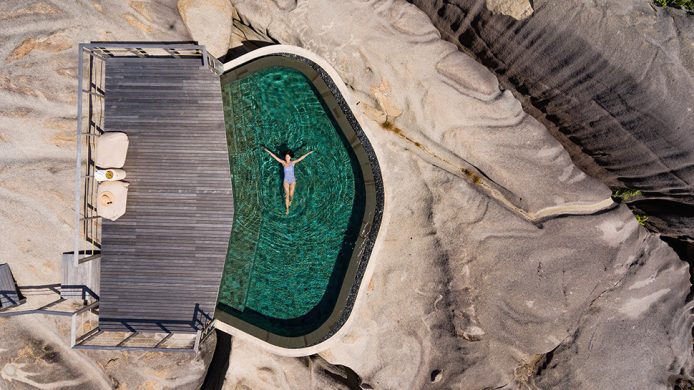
(164, 258)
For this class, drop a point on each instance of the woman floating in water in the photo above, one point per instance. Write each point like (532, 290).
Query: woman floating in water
(289, 179)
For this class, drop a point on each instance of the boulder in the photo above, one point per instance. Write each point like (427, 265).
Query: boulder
(517, 9)
(208, 22)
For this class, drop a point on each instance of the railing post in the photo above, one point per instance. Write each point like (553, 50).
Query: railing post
(73, 330)
(196, 346)
(78, 162)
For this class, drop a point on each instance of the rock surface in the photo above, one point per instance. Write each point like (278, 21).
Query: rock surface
(465, 293)
(614, 81)
(209, 23)
(38, 81)
(517, 9)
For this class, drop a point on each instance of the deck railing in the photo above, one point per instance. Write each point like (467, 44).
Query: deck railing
(85, 333)
(90, 90)
(91, 95)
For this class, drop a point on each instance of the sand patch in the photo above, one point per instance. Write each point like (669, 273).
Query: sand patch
(40, 8)
(52, 43)
(18, 84)
(98, 6)
(634, 307)
(65, 134)
(142, 8)
(63, 139)
(382, 93)
(615, 232)
(643, 283)
(373, 113)
(60, 123)
(133, 21)
(70, 72)
(151, 385)
(163, 374)
(18, 112)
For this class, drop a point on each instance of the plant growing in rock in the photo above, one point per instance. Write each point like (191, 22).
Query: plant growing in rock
(624, 194)
(641, 219)
(686, 4)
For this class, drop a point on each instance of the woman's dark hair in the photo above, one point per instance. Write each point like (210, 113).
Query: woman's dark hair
(288, 152)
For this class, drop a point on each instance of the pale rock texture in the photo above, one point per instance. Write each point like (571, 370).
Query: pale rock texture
(517, 9)
(209, 23)
(465, 293)
(258, 370)
(612, 80)
(38, 82)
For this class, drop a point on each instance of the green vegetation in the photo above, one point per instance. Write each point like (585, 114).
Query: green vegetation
(641, 219)
(621, 195)
(686, 4)
(624, 194)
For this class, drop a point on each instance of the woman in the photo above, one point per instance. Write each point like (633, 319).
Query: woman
(289, 178)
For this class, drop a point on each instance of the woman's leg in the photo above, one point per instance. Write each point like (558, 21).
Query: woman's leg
(287, 202)
(291, 192)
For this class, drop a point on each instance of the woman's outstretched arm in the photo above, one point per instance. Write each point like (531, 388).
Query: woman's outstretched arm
(274, 156)
(302, 157)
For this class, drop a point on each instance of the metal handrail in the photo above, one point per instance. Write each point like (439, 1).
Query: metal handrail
(88, 232)
(87, 240)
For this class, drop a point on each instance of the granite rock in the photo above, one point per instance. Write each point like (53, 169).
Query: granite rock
(612, 80)
(209, 23)
(465, 293)
(517, 9)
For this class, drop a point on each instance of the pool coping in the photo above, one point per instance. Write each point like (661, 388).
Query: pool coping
(364, 267)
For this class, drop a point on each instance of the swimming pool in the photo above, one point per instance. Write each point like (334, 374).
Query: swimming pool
(291, 279)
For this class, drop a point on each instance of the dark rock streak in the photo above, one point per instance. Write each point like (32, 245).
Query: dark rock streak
(612, 82)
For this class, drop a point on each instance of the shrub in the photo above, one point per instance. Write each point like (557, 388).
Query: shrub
(624, 194)
(685, 4)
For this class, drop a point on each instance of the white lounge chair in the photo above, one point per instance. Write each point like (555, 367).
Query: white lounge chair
(112, 198)
(111, 149)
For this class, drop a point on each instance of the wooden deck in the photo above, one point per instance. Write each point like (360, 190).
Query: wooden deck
(162, 261)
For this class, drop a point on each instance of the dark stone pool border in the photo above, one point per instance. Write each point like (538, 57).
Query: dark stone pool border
(355, 273)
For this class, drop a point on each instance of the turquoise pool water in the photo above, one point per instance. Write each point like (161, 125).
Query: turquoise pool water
(283, 272)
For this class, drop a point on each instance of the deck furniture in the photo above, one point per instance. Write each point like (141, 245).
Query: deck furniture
(112, 199)
(111, 149)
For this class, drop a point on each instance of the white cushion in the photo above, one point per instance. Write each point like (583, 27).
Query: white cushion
(111, 199)
(111, 149)
(103, 174)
